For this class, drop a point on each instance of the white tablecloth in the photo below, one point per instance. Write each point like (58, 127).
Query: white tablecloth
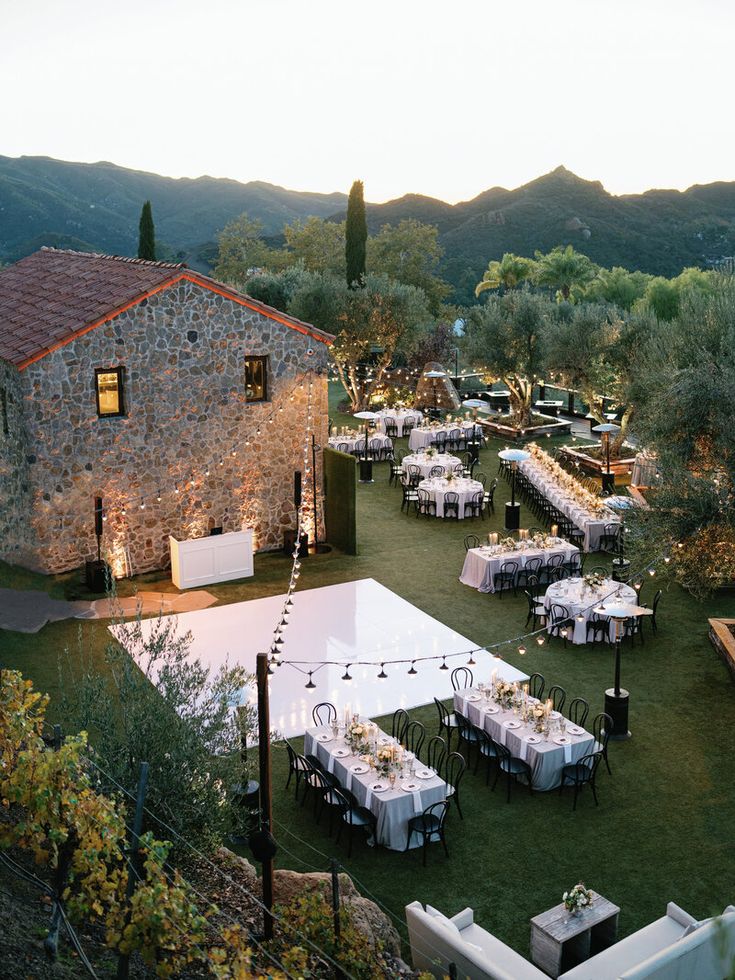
(392, 808)
(437, 488)
(593, 525)
(579, 599)
(400, 417)
(421, 438)
(481, 564)
(358, 442)
(546, 758)
(427, 463)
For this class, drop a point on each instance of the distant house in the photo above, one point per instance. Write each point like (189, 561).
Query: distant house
(179, 401)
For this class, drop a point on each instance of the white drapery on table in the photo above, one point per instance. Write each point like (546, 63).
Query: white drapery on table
(421, 438)
(427, 463)
(482, 564)
(393, 808)
(592, 524)
(358, 442)
(579, 599)
(546, 758)
(404, 415)
(437, 488)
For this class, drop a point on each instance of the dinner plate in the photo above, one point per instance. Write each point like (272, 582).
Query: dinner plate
(563, 740)
(472, 697)
(575, 730)
(410, 787)
(555, 714)
(359, 768)
(379, 787)
(341, 753)
(324, 737)
(533, 739)
(384, 740)
(491, 709)
(511, 724)
(424, 774)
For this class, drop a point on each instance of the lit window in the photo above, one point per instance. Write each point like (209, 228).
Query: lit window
(108, 384)
(256, 379)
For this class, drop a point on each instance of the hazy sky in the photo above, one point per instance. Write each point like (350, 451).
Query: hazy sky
(441, 98)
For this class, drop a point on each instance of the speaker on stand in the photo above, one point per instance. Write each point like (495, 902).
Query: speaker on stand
(97, 573)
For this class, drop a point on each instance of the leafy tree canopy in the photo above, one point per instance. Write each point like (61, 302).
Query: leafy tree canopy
(242, 251)
(316, 244)
(409, 252)
(509, 272)
(562, 269)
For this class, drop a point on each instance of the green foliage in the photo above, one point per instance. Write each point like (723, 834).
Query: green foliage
(182, 724)
(316, 245)
(562, 269)
(663, 296)
(505, 339)
(356, 237)
(276, 289)
(146, 234)
(617, 286)
(508, 273)
(242, 251)
(311, 915)
(409, 252)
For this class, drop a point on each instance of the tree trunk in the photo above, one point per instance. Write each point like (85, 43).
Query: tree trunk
(616, 445)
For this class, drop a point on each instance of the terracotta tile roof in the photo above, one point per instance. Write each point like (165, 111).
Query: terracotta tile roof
(52, 296)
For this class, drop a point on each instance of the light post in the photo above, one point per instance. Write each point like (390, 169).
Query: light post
(366, 464)
(616, 697)
(512, 509)
(606, 430)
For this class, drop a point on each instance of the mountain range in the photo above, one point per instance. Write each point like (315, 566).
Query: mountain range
(96, 206)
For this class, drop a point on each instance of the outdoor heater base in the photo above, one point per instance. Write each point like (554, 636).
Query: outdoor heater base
(620, 570)
(617, 707)
(512, 516)
(366, 471)
(608, 483)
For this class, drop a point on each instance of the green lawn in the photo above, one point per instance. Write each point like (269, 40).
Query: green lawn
(663, 830)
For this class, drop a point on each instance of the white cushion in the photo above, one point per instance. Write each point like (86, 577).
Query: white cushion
(443, 921)
(679, 915)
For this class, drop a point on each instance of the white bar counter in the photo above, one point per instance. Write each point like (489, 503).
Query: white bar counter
(215, 558)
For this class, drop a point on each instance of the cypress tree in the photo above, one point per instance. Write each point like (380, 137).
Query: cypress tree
(146, 234)
(356, 237)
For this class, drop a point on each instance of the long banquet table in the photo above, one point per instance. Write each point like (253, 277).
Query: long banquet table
(393, 808)
(592, 524)
(483, 563)
(546, 758)
(580, 599)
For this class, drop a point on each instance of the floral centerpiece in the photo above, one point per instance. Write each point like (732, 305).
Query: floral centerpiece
(357, 736)
(431, 452)
(593, 580)
(449, 476)
(577, 899)
(384, 759)
(504, 692)
(538, 715)
(509, 544)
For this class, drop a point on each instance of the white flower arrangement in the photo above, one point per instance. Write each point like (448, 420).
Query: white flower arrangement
(357, 736)
(594, 580)
(504, 693)
(577, 899)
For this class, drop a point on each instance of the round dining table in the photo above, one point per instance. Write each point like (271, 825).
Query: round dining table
(399, 416)
(427, 463)
(580, 600)
(438, 487)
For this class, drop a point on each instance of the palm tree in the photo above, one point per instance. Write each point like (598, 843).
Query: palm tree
(510, 272)
(563, 268)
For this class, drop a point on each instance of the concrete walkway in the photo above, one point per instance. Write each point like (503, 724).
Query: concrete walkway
(29, 611)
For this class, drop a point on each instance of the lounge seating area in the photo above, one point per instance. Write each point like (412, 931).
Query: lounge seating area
(674, 947)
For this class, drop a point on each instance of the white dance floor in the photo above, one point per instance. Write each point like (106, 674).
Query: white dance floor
(345, 623)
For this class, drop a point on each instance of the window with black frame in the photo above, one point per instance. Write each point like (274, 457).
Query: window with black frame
(109, 392)
(256, 379)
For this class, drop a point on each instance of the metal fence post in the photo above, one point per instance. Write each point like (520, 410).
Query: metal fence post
(123, 960)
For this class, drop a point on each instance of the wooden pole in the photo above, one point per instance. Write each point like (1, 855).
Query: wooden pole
(123, 962)
(266, 794)
(334, 868)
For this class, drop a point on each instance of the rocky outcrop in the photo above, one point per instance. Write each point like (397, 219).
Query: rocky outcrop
(437, 392)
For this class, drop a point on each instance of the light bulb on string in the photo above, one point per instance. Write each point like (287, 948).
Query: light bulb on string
(471, 662)
(382, 675)
(540, 640)
(413, 670)
(347, 676)
(522, 650)
(444, 664)
(142, 504)
(158, 496)
(310, 685)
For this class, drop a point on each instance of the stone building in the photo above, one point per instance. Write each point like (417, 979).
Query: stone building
(179, 401)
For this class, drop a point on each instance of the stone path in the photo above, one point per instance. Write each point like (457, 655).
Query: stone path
(29, 611)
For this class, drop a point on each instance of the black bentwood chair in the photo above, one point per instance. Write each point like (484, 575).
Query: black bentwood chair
(447, 721)
(601, 728)
(513, 768)
(462, 678)
(580, 774)
(353, 815)
(436, 751)
(401, 721)
(578, 711)
(429, 825)
(324, 713)
(454, 769)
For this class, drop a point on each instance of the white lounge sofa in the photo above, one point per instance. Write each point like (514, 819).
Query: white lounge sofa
(674, 947)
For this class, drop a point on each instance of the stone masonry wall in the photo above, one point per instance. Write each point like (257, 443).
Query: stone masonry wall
(15, 531)
(183, 352)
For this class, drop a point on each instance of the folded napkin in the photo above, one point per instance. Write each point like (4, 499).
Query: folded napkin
(524, 751)
(348, 781)
(368, 798)
(417, 807)
(330, 764)
(567, 754)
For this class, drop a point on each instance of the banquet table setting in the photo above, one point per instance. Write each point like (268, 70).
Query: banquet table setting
(424, 436)
(438, 487)
(399, 416)
(483, 563)
(395, 798)
(356, 441)
(581, 596)
(573, 505)
(427, 462)
(547, 745)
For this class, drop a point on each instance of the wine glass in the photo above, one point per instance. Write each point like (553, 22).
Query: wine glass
(392, 779)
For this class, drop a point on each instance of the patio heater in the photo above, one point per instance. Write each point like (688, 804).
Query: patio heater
(476, 405)
(616, 697)
(434, 375)
(606, 430)
(512, 509)
(620, 564)
(366, 464)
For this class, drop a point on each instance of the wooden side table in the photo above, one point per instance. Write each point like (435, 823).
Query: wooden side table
(559, 940)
